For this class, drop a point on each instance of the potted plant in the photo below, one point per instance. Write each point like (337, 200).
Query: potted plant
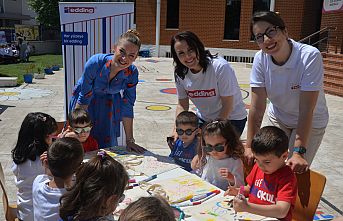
(28, 76)
(48, 69)
(39, 74)
(55, 67)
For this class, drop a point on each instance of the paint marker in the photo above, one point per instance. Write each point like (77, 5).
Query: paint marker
(150, 178)
(132, 181)
(241, 192)
(209, 197)
(189, 197)
(187, 204)
(133, 185)
(202, 196)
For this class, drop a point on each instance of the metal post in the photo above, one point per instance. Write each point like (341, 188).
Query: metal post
(158, 19)
(272, 5)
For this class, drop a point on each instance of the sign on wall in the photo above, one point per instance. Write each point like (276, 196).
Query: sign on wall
(27, 32)
(332, 6)
(89, 28)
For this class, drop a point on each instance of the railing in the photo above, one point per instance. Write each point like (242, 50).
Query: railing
(322, 39)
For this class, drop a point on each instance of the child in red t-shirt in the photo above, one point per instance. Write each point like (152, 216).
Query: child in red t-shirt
(80, 127)
(271, 185)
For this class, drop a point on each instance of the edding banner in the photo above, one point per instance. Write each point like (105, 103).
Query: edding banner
(89, 28)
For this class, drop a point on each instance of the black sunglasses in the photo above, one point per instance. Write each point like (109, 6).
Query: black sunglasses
(188, 132)
(217, 148)
(270, 33)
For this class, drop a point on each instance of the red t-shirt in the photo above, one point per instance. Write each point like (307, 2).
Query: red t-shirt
(266, 189)
(90, 144)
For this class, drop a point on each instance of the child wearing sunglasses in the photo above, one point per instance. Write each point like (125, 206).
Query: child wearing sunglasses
(183, 149)
(218, 160)
(80, 128)
(99, 188)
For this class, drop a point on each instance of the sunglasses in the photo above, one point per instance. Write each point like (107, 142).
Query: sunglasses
(188, 132)
(217, 148)
(79, 130)
(270, 33)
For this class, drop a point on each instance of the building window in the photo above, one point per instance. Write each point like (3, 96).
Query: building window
(260, 5)
(232, 19)
(173, 13)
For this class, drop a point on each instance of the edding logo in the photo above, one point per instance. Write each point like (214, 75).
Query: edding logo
(84, 10)
(202, 93)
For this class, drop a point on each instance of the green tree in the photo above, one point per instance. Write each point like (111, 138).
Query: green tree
(47, 12)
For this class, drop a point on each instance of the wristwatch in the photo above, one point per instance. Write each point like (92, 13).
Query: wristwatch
(301, 150)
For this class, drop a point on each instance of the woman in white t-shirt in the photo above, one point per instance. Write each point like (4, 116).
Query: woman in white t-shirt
(290, 75)
(207, 80)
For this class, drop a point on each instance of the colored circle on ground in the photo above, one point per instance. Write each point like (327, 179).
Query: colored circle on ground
(141, 80)
(9, 93)
(244, 85)
(163, 79)
(158, 108)
(168, 90)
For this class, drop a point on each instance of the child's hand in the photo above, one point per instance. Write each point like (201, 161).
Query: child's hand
(224, 172)
(71, 134)
(240, 203)
(44, 158)
(231, 191)
(170, 142)
(65, 132)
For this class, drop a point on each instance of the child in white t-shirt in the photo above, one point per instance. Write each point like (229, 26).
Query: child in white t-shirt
(35, 135)
(63, 158)
(219, 159)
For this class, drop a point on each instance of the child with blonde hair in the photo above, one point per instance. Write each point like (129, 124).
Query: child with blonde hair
(218, 160)
(35, 135)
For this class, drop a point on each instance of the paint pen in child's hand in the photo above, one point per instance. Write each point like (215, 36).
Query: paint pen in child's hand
(241, 192)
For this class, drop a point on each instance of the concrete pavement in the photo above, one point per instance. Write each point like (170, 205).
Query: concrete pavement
(154, 117)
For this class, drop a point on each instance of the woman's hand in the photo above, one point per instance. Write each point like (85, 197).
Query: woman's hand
(297, 163)
(249, 156)
(131, 146)
(44, 158)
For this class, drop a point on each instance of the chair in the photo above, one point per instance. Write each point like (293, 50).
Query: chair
(310, 188)
(10, 210)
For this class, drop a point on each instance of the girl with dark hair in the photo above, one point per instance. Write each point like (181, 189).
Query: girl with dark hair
(218, 158)
(107, 90)
(207, 80)
(99, 187)
(35, 135)
(290, 75)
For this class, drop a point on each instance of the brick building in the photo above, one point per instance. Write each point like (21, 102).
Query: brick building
(225, 24)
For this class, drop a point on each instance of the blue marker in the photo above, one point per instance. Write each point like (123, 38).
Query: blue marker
(202, 196)
(150, 178)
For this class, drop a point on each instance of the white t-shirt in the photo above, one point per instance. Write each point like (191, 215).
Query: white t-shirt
(204, 89)
(302, 72)
(210, 171)
(24, 174)
(46, 200)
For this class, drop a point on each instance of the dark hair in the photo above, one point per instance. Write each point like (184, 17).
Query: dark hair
(270, 140)
(131, 36)
(78, 116)
(148, 209)
(96, 180)
(195, 44)
(187, 117)
(32, 136)
(64, 157)
(226, 130)
(267, 16)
